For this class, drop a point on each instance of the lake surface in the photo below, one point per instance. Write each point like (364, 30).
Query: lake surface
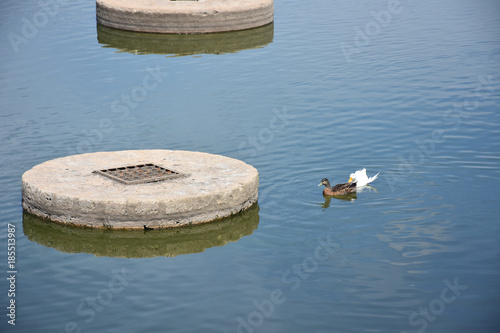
(408, 88)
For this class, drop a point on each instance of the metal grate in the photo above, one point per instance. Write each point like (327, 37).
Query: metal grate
(139, 174)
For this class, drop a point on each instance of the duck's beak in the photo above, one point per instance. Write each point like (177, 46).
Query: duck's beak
(320, 184)
(350, 180)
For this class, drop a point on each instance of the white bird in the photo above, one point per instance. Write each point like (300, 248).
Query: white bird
(361, 178)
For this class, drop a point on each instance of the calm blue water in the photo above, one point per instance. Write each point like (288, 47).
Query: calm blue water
(409, 89)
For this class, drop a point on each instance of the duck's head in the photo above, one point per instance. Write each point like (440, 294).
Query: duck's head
(325, 182)
(352, 177)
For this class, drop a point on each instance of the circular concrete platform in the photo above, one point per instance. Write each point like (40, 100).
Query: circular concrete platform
(184, 16)
(206, 187)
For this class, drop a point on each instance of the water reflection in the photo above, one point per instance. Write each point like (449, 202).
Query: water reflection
(423, 230)
(366, 188)
(182, 45)
(138, 243)
(345, 197)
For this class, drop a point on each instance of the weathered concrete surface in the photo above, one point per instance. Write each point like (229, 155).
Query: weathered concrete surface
(65, 190)
(201, 16)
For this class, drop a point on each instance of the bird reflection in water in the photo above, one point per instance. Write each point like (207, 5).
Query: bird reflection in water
(346, 197)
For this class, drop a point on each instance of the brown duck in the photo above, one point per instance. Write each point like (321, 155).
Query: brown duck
(339, 189)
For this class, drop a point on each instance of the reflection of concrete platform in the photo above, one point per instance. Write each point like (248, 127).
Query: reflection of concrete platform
(185, 16)
(180, 45)
(141, 244)
(208, 187)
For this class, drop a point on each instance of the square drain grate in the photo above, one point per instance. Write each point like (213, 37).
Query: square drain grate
(139, 174)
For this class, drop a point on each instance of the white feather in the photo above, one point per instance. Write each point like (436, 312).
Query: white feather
(361, 178)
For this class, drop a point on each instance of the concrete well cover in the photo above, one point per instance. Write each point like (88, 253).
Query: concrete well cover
(67, 190)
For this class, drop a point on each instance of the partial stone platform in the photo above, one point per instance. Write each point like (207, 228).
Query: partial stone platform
(203, 188)
(184, 16)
